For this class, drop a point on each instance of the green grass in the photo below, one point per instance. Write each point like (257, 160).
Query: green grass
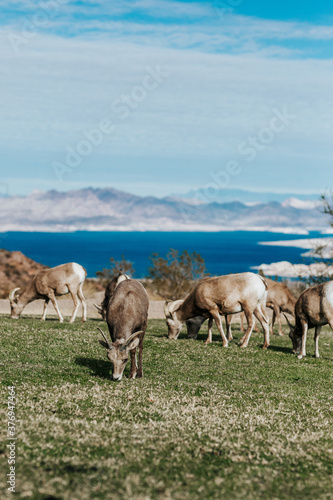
(204, 422)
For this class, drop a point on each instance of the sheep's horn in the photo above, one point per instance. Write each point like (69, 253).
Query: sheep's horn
(129, 340)
(12, 293)
(171, 306)
(166, 309)
(131, 337)
(99, 309)
(289, 324)
(106, 340)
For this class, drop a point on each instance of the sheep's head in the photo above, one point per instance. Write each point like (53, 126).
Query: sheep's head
(295, 336)
(118, 352)
(15, 306)
(174, 324)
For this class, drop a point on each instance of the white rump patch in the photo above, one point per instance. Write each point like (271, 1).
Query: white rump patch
(328, 292)
(79, 271)
(122, 277)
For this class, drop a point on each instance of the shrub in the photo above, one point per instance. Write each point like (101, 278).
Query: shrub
(174, 276)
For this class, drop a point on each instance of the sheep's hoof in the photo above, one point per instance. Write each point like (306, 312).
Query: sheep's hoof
(207, 342)
(243, 345)
(300, 356)
(225, 344)
(265, 346)
(316, 356)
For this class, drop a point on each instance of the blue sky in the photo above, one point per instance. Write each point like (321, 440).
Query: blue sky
(233, 93)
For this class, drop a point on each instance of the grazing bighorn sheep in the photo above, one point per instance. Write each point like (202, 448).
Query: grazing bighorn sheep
(126, 317)
(193, 326)
(222, 295)
(49, 283)
(314, 308)
(280, 299)
(109, 291)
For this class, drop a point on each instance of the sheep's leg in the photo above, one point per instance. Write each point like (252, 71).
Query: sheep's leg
(242, 329)
(250, 324)
(140, 349)
(316, 340)
(218, 321)
(273, 322)
(76, 305)
(255, 328)
(210, 326)
(46, 303)
(277, 315)
(280, 324)
(55, 305)
(264, 323)
(243, 338)
(304, 334)
(134, 368)
(228, 320)
(83, 302)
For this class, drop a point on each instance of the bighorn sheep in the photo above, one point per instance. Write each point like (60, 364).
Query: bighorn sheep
(222, 295)
(280, 299)
(193, 326)
(126, 317)
(109, 291)
(49, 283)
(314, 308)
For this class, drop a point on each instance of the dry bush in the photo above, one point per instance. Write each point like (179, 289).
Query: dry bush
(173, 277)
(117, 267)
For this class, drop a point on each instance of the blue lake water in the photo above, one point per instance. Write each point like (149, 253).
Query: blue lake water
(224, 252)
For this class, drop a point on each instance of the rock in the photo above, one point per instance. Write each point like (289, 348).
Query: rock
(16, 270)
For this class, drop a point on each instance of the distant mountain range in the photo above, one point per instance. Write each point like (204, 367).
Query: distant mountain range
(243, 196)
(112, 210)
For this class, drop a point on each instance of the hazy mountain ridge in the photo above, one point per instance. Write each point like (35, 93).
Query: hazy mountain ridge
(110, 209)
(243, 196)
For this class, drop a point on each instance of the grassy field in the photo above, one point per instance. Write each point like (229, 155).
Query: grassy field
(203, 423)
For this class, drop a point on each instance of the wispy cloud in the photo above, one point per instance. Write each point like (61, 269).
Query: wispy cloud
(167, 23)
(225, 79)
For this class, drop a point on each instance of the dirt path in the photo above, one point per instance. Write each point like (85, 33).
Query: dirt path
(66, 307)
